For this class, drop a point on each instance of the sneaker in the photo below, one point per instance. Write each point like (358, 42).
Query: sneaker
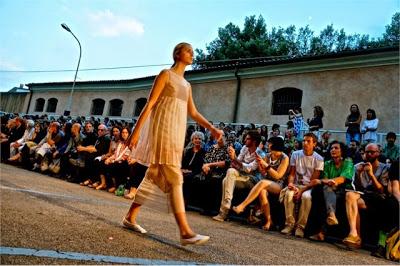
(220, 217)
(287, 230)
(352, 241)
(134, 227)
(196, 240)
(299, 232)
(380, 252)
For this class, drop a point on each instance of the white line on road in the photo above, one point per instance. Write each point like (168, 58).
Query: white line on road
(37, 192)
(85, 256)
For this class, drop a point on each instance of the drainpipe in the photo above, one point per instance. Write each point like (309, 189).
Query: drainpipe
(30, 99)
(239, 82)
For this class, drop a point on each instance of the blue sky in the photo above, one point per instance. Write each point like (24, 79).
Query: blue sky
(116, 33)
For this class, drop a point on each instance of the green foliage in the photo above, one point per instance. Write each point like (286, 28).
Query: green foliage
(254, 40)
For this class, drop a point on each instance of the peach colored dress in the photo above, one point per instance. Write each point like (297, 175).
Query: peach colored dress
(161, 143)
(162, 137)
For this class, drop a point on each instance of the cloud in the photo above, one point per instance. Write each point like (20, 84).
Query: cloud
(106, 24)
(8, 66)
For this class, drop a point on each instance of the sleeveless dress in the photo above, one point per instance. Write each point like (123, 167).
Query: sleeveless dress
(161, 144)
(163, 134)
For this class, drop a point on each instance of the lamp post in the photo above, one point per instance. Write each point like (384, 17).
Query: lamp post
(69, 103)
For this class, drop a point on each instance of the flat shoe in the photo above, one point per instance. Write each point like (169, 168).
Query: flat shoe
(196, 240)
(332, 220)
(133, 227)
(101, 187)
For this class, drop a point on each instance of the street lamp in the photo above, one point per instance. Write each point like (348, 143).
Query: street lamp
(69, 103)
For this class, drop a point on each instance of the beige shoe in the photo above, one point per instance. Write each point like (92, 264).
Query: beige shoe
(287, 230)
(196, 240)
(134, 227)
(299, 232)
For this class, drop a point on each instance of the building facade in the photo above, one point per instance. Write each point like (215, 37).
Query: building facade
(259, 91)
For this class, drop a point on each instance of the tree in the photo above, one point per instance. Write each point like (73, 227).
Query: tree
(255, 41)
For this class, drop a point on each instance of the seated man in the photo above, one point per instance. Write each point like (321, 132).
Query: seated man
(391, 150)
(242, 172)
(305, 169)
(369, 184)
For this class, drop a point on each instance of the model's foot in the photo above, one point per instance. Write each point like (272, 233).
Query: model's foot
(195, 240)
(133, 226)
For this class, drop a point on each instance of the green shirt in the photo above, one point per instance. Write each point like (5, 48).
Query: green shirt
(346, 170)
(391, 153)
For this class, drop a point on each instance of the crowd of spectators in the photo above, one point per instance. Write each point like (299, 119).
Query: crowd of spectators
(296, 180)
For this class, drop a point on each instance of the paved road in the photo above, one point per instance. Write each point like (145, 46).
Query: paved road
(45, 220)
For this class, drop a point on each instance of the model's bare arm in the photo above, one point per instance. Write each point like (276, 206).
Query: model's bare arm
(156, 90)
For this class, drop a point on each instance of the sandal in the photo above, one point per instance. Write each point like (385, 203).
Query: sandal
(94, 185)
(130, 196)
(101, 187)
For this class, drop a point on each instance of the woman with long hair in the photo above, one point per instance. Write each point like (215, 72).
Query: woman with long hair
(369, 127)
(159, 137)
(353, 122)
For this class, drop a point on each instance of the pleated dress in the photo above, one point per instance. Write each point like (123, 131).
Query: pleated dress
(162, 139)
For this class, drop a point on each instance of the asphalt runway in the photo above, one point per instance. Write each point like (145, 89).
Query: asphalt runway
(45, 220)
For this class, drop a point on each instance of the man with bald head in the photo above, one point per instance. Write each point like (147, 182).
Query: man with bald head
(369, 191)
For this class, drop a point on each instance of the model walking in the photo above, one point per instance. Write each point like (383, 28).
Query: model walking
(158, 139)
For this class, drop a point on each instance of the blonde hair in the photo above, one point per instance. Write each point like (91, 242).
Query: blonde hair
(177, 50)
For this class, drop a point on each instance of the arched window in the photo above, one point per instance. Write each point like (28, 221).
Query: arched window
(140, 103)
(115, 107)
(285, 99)
(97, 107)
(52, 105)
(39, 105)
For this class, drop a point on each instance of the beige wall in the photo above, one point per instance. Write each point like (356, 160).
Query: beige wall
(335, 90)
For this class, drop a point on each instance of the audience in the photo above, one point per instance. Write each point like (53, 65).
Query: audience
(246, 161)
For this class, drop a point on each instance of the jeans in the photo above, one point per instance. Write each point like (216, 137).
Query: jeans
(304, 211)
(330, 199)
(233, 178)
(353, 136)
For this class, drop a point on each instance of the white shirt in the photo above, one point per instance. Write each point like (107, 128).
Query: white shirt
(305, 166)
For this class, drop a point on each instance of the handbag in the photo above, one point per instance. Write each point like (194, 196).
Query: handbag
(54, 167)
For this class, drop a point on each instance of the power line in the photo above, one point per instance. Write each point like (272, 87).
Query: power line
(129, 67)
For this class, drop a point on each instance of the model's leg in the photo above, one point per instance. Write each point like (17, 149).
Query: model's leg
(178, 207)
(133, 212)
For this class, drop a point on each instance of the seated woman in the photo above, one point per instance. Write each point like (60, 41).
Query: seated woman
(192, 162)
(273, 168)
(337, 172)
(136, 174)
(193, 155)
(117, 165)
(209, 181)
(99, 163)
(16, 147)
